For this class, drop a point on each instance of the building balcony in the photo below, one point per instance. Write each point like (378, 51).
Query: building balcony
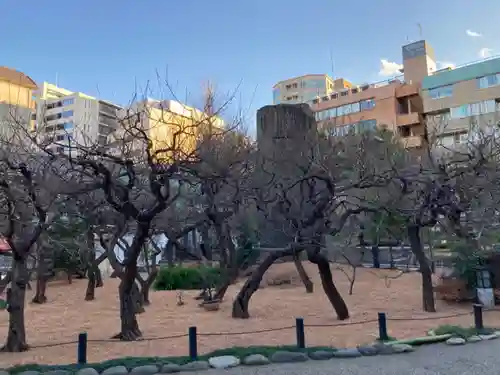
(408, 119)
(412, 141)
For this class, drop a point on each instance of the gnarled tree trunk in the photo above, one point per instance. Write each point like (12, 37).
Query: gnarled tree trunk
(16, 295)
(45, 267)
(425, 269)
(331, 291)
(306, 280)
(240, 304)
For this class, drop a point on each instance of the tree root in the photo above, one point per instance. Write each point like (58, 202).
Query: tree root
(129, 335)
(16, 348)
(39, 299)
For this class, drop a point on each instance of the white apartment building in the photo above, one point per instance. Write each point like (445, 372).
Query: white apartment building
(67, 121)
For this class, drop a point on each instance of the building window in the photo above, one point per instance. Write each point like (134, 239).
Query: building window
(59, 137)
(69, 101)
(441, 92)
(60, 149)
(488, 81)
(68, 125)
(67, 114)
(474, 109)
(367, 104)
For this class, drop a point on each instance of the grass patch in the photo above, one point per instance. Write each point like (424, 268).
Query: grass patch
(131, 362)
(463, 332)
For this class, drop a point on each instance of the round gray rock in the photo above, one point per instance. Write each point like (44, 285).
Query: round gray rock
(284, 356)
(347, 353)
(488, 337)
(368, 350)
(456, 341)
(401, 348)
(170, 368)
(57, 372)
(115, 370)
(224, 361)
(195, 366)
(87, 371)
(256, 360)
(320, 355)
(474, 339)
(30, 372)
(145, 370)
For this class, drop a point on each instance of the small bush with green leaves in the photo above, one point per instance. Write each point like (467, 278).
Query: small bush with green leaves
(188, 278)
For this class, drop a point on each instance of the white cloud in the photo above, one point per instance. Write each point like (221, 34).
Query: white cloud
(445, 64)
(485, 52)
(389, 68)
(473, 34)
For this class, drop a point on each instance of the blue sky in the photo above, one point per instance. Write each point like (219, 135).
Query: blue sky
(112, 48)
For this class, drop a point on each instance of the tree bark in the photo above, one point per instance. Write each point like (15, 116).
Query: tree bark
(45, 268)
(425, 269)
(240, 304)
(306, 280)
(146, 285)
(16, 295)
(331, 291)
(129, 326)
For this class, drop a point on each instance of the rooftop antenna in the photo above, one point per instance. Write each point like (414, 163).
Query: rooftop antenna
(332, 65)
(57, 79)
(419, 30)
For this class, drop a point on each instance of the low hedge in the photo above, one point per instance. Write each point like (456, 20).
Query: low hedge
(131, 362)
(188, 278)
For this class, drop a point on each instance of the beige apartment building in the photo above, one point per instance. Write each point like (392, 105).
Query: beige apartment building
(459, 102)
(304, 89)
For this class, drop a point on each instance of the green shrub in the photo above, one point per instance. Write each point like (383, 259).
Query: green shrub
(186, 278)
(459, 331)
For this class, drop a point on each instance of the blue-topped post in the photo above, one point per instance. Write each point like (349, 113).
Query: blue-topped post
(301, 337)
(382, 327)
(193, 344)
(82, 348)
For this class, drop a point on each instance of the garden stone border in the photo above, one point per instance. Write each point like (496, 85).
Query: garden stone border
(280, 356)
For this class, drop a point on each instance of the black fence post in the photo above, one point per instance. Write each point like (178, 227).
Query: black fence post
(376, 256)
(193, 344)
(478, 316)
(82, 348)
(301, 337)
(382, 327)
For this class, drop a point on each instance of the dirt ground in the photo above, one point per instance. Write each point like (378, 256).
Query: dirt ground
(66, 314)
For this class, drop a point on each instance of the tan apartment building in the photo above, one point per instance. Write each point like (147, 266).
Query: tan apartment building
(304, 89)
(458, 102)
(394, 104)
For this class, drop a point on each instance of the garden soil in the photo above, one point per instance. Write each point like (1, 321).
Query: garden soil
(273, 307)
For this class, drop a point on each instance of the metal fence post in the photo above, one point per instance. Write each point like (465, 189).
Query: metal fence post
(478, 316)
(82, 348)
(193, 344)
(382, 327)
(299, 329)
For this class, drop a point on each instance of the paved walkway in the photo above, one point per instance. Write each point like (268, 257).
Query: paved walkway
(471, 359)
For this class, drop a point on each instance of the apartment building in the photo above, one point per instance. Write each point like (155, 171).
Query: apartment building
(168, 124)
(16, 100)
(305, 88)
(458, 102)
(394, 104)
(68, 120)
